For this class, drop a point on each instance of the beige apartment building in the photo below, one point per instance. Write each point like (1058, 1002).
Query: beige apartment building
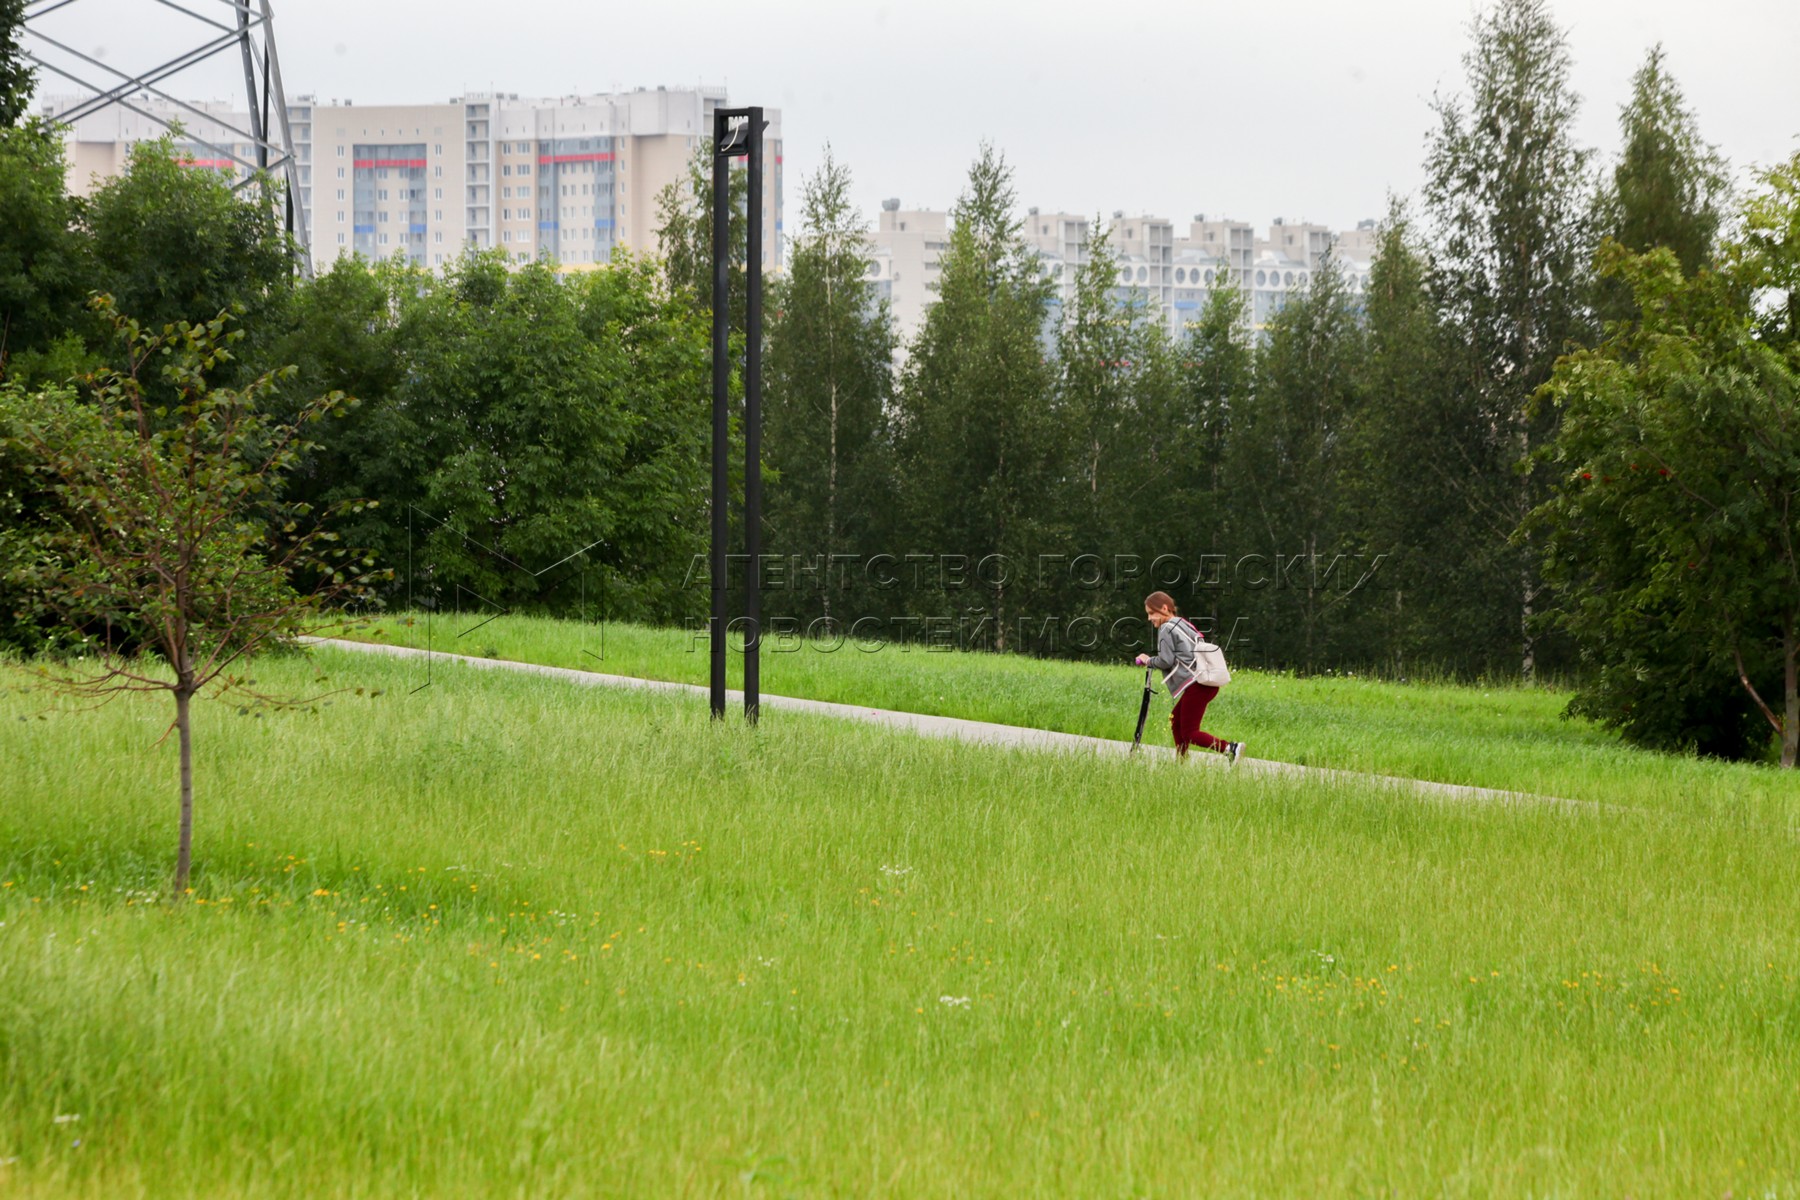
(907, 245)
(569, 178)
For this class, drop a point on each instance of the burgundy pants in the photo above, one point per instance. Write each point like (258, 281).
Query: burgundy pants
(1184, 722)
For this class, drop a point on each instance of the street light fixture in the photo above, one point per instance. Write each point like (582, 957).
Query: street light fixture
(737, 133)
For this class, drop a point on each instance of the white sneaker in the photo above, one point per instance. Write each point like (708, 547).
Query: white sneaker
(1233, 750)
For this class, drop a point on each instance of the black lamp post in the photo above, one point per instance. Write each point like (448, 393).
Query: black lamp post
(737, 133)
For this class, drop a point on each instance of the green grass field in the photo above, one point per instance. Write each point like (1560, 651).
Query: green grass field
(508, 937)
(1502, 736)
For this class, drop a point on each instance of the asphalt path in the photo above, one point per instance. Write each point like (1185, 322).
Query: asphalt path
(980, 732)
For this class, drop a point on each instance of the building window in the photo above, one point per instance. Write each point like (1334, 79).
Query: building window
(381, 193)
(438, 172)
(340, 151)
(506, 170)
(1289, 280)
(340, 236)
(506, 235)
(1262, 277)
(382, 217)
(340, 172)
(340, 214)
(382, 238)
(437, 193)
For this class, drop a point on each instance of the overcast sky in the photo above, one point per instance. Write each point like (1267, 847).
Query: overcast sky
(1309, 109)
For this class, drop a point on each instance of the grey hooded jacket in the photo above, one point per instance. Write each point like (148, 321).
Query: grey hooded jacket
(1177, 647)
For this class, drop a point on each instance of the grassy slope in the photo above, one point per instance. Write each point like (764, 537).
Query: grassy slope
(1504, 737)
(507, 937)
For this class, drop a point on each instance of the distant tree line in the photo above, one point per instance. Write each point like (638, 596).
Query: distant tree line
(1556, 436)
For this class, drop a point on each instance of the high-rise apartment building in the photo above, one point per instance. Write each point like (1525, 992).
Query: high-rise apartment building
(570, 178)
(1168, 274)
(1061, 242)
(907, 245)
(1145, 248)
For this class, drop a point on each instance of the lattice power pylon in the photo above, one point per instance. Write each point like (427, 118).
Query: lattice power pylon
(248, 26)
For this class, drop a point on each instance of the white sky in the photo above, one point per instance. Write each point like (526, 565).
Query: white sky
(1309, 109)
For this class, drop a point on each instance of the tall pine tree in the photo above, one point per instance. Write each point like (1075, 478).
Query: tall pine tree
(1668, 184)
(1509, 192)
(1284, 469)
(829, 372)
(977, 447)
(1664, 191)
(1219, 379)
(1403, 483)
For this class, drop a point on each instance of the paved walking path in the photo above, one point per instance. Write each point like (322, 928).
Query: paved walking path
(985, 732)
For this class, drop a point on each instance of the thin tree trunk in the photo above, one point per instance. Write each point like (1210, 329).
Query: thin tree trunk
(184, 735)
(999, 543)
(831, 496)
(831, 487)
(1399, 643)
(1790, 726)
(1528, 663)
(1312, 567)
(1789, 729)
(1214, 470)
(1000, 615)
(1527, 592)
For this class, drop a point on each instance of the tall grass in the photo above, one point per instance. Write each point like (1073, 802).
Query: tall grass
(1511, 737)
(505, 937)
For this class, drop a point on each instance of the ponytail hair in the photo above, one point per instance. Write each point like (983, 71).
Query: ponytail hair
(1159, 601)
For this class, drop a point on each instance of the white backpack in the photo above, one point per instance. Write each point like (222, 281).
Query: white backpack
(1209, 659)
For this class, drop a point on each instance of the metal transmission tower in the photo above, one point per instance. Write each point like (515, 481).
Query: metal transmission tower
(247, 26)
